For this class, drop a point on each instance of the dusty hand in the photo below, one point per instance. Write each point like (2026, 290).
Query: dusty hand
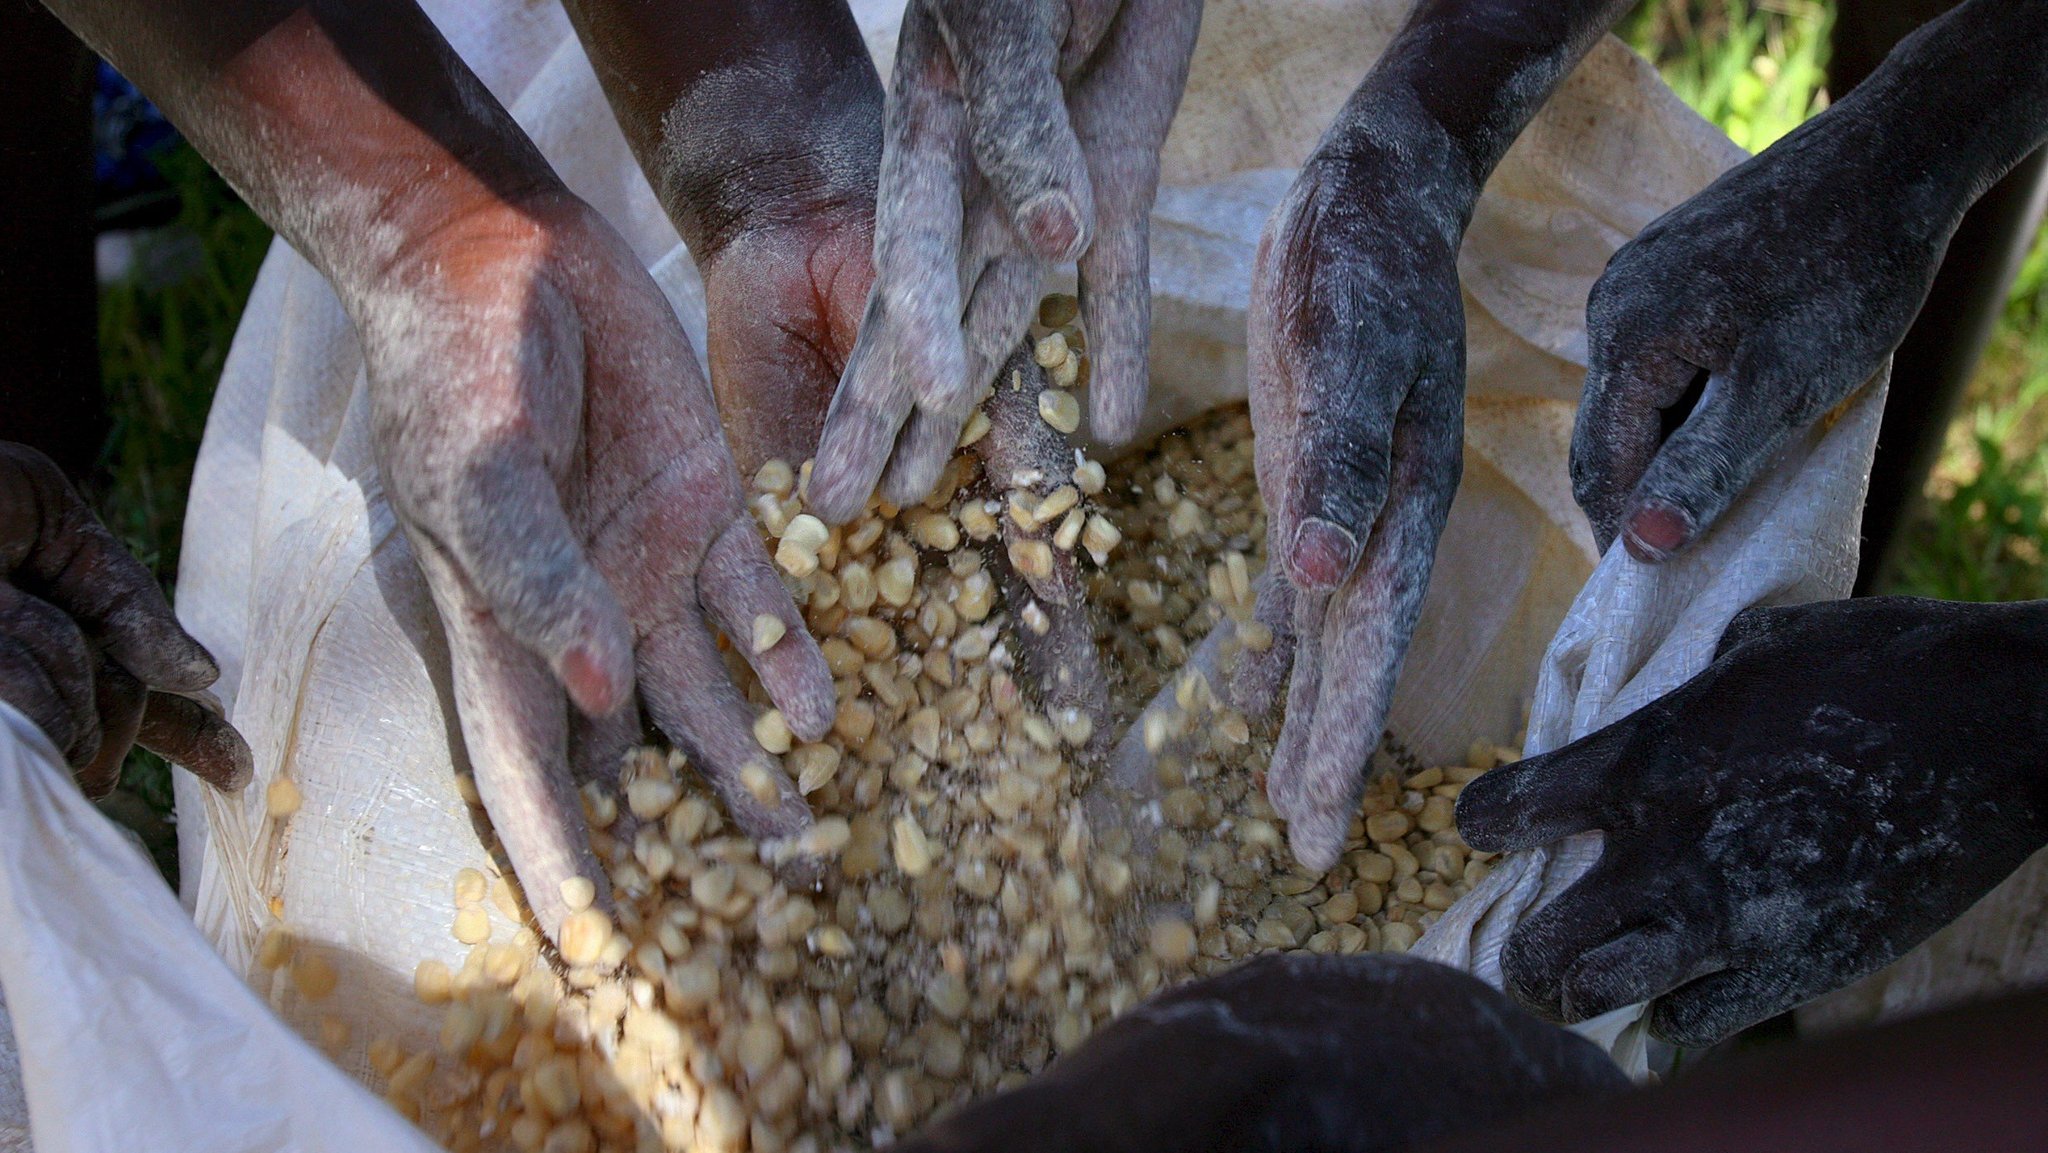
(1359, 1053)
(785, 277)
(1021, 452)
(1357, 392)
(89, 649)
(1843, 780)
(777, 204)
(1020, 133)
(555, 456)
(1747, 313)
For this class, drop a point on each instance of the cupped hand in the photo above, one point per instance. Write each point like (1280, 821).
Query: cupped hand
(784, 284)
(1743, 316)
(783, 295)
(1357, 394)
(1844, 779)
(555, 457)
(89, 649)
(1293, 1052)
(1020, 133)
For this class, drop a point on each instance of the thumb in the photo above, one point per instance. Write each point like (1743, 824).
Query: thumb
(1339, 486)
(1545, 797)
(1703, 468)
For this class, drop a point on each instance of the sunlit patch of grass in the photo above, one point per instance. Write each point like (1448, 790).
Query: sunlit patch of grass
(1756, 70)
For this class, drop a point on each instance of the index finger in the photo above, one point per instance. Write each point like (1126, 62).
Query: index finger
(515, 731)
(1546, 797)
(1624, 415)
(1008, 56)
(910, 347)
(55, 548)
(1317, 779)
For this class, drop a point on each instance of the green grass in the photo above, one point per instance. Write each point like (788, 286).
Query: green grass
(1756, 70)
(164, 335)
(1982, 535)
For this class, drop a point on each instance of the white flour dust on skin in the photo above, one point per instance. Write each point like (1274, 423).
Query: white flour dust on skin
(1019, 135)
(532, 473)
(1844, 780)
(1794, 275)
(1357, 374)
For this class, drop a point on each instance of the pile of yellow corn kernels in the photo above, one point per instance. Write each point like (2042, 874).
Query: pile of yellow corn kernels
(972, 925)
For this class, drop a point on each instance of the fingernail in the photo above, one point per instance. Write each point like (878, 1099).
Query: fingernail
(199, 668)
(1052, 224)
(1655, 532)
(593, 689)
(242, 766)
(1323, 554)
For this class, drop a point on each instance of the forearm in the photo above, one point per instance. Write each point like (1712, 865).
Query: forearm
(739, 110)
(1477, 71)
(1959, 102)
(350, 126)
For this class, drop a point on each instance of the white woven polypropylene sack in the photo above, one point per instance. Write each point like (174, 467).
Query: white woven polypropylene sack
(295, 575)
(1638, 631)
(132, 1034)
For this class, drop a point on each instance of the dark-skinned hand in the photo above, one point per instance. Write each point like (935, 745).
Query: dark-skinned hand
(89, 649)
(1296, 1053)
(1845, 779)
(1357, 378)
(1021, 134)
(1358, 395)
(554, 454)
(777, 204)
(1786, 284)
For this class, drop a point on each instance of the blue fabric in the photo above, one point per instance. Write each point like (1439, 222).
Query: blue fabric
(128, 134)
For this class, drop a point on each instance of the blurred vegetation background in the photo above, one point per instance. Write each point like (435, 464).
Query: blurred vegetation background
(1755, 69)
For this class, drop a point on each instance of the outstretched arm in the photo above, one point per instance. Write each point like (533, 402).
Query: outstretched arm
(540, 424)
(351, 128)
(1358, 373)
(1783, 286)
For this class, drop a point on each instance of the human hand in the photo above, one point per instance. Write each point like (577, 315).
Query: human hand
(1022, 455)
(1359, 1053)
(1357, 342)
(783, 305)
(1845, 779)
(1741, 317)
(1020, 133)
(776, 200)
(554, 454)
(89, 649)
